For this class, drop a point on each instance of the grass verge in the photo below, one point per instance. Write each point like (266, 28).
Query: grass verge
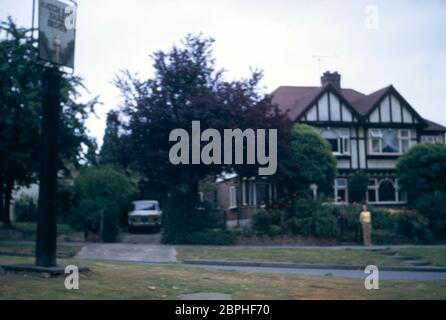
(436, 256)
(115, 280)
(65, 251)
(344, 257)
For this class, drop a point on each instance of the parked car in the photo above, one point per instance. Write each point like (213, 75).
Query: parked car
(144, 213)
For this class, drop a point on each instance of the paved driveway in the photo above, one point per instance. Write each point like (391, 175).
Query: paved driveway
(128, 252)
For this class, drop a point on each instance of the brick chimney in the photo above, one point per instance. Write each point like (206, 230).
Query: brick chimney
(333, 78)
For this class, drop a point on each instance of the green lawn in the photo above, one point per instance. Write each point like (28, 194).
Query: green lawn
(138, 281)
(347, 257)
(65, 251)
(436, 256)
(31, 227)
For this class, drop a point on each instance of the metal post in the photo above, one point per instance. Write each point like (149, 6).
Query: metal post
(46, 221)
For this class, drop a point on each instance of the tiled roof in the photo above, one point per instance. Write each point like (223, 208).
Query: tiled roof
(295, 99)
(432, 126)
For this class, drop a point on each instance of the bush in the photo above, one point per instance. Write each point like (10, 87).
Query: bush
(25, 209)
(180, 223)
(384, 219)
(357, 186)
(433, 208)
(264, 220)
(422, 170)
(207, 237)
(103, 193)
(312, 218)
(415, 227)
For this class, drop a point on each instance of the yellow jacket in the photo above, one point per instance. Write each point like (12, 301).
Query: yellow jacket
(365, 217)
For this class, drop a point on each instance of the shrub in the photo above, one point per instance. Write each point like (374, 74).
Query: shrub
(311, 217)
(349, 215)
(422, 170)
(415, 227)
(357, 186)
(195, 224)
(384, 219)
(263, 220)
(433, 208)
(103, 193)
(25, 209)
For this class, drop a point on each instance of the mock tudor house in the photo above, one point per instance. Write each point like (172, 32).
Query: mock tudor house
(366, 132)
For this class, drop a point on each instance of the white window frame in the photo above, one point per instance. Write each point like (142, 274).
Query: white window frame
(244, 202)
(429, 138)
(338, 187)
(232, 197)
(343, 146)
(402, 138)
(377, 134)
(375, 188)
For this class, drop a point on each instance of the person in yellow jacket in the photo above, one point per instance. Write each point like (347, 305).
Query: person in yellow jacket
(365, 217)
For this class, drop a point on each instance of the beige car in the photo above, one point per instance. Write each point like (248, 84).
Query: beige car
(145, 213)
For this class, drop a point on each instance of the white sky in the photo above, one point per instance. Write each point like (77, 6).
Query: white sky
(408, 49)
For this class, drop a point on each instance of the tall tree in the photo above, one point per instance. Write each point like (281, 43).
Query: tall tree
(186, 86)
(20, 114)
(111, 146)
(422, 170)
(307, 161)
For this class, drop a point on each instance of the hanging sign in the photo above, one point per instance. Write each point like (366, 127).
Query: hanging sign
(57, 21)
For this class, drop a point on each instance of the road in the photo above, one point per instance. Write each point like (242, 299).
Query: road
(339, 273)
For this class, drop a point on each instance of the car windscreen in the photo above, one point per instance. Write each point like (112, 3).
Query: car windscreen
(144, 206)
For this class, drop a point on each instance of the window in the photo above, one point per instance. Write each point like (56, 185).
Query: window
(372, 190)
(404, 140)
(262, 194)
(334, 143)
(429, 139)
(340, 190)
(340, 145)
(386, 191)
(339, 140)
(246, 192)
(232, 198)
(389, 141)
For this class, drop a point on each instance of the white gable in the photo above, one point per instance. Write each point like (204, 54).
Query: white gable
(323, 107)
(391, 110)
(335, 108)
(329, 108)
(346, 114)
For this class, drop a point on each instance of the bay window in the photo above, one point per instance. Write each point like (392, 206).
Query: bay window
(389, 141)
(385, 191)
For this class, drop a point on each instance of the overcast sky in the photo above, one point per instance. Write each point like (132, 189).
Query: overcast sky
(371, 43)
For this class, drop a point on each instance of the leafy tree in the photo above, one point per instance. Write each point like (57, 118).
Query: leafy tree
(433, 208)
(111, 149)
(20, 114)
(186, 86)
(357, 186)
(422, 170)
(308, 160)
(103, 193)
